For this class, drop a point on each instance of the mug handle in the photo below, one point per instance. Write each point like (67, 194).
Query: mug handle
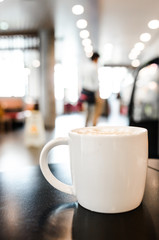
(45, 168)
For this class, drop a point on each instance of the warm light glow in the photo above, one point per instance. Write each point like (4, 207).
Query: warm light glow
(78, 9)
(153, 86)
(89, 54)
(145, 37)
(84, 34)
(135, 51)
(88, 48)
(86, 42)
(132, 55)
(153, 24)
(139, 46)
(135, 63)
(81, 23)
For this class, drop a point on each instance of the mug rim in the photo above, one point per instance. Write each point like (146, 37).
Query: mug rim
(139, 131)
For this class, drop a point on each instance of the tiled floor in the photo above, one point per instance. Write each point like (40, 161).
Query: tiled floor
(14, 154)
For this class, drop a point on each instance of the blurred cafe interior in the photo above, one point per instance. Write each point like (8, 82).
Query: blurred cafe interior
(43, 47)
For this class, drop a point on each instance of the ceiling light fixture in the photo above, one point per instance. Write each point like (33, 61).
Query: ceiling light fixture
(1, 1)
(139, 46)
(135, 63)
(78, 9)
(145, 37)
(88, 49)
(153, 24)
(81, 23)
(89, 54)
(86, 42)
(131, 56)
(84, 34)
(134, 53)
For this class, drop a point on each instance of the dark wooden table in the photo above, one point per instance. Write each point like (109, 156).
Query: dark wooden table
(31, 209)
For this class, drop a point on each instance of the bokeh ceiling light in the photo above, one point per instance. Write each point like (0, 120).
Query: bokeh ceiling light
(140, 46)
(78, 9)
(86, 42)
(89, 54)
(84, 34)
(134, 53)
(153, 24)
(145, 37)
(132, 56)
(135, 63)
(81, 23)
(88, 49)
(1, 1)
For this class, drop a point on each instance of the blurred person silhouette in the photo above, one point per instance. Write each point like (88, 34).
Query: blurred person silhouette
(90, 90)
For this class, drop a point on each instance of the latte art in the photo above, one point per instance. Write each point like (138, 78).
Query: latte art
(109, 131)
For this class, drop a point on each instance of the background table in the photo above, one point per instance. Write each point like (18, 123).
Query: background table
(31, 209)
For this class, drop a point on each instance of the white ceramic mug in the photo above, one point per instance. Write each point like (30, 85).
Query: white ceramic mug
(108, 167)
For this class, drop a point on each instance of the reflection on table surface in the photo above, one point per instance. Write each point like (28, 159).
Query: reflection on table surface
(30, 208)
(71, 221)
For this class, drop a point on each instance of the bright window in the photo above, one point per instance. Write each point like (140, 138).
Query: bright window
(110, 79)
(13, 76)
